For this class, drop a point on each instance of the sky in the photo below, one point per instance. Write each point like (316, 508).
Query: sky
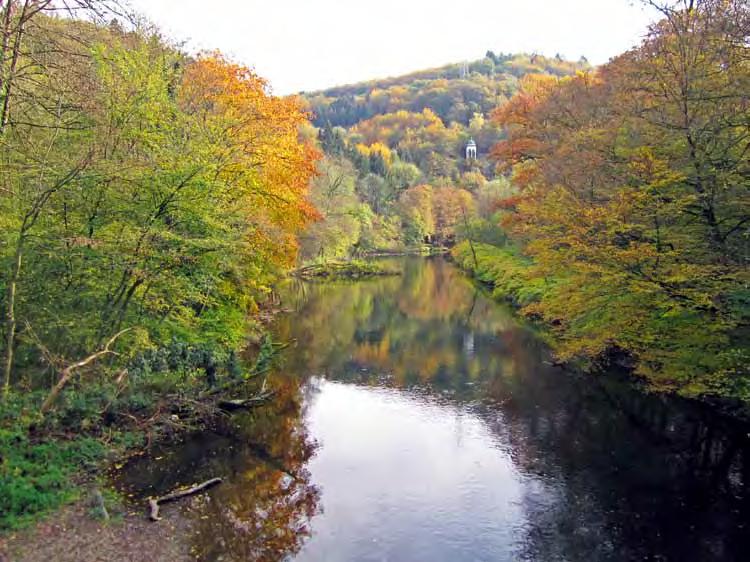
(306, 45)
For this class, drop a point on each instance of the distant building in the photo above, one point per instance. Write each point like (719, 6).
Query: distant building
(471, 150)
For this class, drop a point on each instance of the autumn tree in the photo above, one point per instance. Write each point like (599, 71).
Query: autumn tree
(333, 192)
(634, 195)
(147, 190)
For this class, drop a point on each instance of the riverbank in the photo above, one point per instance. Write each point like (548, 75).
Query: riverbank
(511, 277)
(49, 458)
(94, 517)
(73, 535)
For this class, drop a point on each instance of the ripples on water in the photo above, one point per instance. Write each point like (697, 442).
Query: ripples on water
(417, 419)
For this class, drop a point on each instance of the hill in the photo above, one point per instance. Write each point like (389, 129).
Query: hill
(386, 138)
(454, 92)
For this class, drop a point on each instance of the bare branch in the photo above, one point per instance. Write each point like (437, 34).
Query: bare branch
(67, 373)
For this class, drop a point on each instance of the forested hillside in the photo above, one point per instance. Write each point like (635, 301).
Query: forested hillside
(454, 92)
(396, 174)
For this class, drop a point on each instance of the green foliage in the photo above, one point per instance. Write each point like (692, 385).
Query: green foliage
(381, 234)
(509, 273)
(38, 472)
(483, 231)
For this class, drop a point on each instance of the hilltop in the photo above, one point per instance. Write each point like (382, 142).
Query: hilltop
(454, 92)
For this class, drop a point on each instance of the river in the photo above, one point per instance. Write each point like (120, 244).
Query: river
(417, 419)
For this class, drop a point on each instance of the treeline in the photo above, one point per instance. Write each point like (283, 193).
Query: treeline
(630, 233)
(139, 188)
(372, 200)
(454, 92)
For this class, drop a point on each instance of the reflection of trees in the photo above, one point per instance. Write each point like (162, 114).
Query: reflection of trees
(613, 474)
(262, 510)
(620, 475)
(412, 327)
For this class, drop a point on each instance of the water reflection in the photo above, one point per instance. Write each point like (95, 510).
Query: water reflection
(444, 434)
(599, 471)
(406, 477)
(263, 508)
(429, 325)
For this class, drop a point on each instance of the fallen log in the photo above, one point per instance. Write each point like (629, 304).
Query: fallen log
(240, 404)
(153, 503)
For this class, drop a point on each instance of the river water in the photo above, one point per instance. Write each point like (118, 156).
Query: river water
(416, 419)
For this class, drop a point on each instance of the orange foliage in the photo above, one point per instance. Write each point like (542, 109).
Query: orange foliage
(261, 157)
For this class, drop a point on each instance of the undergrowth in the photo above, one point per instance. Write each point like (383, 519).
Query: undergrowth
(45, 461)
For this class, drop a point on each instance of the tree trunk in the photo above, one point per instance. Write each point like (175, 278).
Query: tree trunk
(10, 317)
(471, 242)
(6, 13)
(8, 80)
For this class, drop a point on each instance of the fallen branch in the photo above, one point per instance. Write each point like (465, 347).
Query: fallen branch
(67, 372)
(153, 503)
(231, 405)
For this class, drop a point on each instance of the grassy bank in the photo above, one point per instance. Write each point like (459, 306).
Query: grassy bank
(592, 324)
(504, 269)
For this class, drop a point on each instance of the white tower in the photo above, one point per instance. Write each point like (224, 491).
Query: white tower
(471, 150)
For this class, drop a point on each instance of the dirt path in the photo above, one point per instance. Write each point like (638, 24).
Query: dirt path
(71, 535)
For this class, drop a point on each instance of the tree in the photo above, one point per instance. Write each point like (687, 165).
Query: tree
(333, 192)
(634, 198)
(141, 188)
(376, 192)
(416, 210)
(401, 176)
(450, 207)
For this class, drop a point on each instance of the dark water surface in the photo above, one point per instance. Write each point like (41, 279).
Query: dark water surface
(416, 419)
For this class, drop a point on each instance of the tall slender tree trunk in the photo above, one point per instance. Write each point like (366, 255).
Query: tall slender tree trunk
(469, 238)
(6, 14)
(10, 316)
(7, 86)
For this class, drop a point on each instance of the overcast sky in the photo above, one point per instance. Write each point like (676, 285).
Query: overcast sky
(312, 44)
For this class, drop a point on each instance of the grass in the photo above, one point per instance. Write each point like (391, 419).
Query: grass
(504, 269)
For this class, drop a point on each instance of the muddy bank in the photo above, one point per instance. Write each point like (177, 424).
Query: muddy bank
(73, 535)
